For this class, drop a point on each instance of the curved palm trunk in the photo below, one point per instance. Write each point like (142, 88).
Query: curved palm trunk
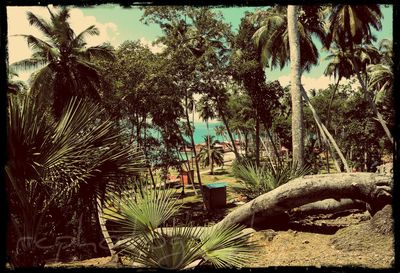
(104, 231)
(295, 80)
(372, 104)
(324, 132)
(328, 122)
(229, 134)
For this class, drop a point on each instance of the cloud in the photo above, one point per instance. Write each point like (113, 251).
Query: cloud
(18, 24)
(156, 48)
(317, 83)
(309, 83)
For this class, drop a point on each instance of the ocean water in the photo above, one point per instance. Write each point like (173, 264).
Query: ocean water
(200, 131)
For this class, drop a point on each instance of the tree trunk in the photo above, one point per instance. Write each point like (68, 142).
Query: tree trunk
(229, 134)
(324, 131)
(295, 80)
(104, 231)
(246, 144)
(328, 120)
(193, 144)
(212, 165)
(188, 164)
(208, 143)
(257, 141)
(327, 206)
(305, 192)
(371, 188)
(273, 144)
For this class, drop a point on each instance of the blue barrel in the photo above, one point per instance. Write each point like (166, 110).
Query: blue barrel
(214, 195)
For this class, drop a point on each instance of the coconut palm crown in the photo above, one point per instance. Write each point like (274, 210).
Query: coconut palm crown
(64, 60)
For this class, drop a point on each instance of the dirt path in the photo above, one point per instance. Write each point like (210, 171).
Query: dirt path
(291, 248)
(368, 243)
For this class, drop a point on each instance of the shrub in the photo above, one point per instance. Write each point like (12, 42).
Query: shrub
(146, 239)
(261, 179)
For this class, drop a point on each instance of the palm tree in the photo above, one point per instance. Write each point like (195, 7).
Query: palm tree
(14, 86)
(350, 27)
(64, 60)
(386, 50)
(380, 79)
(297, 105)
(280, 42)
(220, 130)
(206, 113)
(339, 67)
(142, 216)
(276, 26)
(273, 40)
(380, 76)
(211, 155)
(51, 162)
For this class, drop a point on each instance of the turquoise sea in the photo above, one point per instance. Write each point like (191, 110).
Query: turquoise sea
(201, 131)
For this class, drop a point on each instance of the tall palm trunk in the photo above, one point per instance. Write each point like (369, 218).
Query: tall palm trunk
(188, 164)
(372, 104)
(295, 80)
(208, 141)
(193, 143)
(272, 144)
(257, 141)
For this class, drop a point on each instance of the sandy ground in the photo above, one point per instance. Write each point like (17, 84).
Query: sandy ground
(368, 244)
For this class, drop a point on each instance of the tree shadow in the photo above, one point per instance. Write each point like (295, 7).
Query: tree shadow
(220, 172)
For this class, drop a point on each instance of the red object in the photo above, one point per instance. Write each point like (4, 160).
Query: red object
(187, 177)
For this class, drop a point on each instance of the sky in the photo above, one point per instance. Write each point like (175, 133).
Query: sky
(117, 24)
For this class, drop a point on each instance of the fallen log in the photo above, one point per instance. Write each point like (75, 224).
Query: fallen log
(371, 188)
(328, 206)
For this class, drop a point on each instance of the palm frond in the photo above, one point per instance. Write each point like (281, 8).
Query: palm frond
(40, 23)
(225, 246)
(167, 251)
(141, 211)
(104, 51)
(80, 38)
(31, 63)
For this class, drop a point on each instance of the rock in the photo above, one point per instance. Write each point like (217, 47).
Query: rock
(306, 242)
(382, 221)
(267, 234)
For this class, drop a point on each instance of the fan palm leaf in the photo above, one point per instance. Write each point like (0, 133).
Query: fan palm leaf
(48, 161)
(227, 247)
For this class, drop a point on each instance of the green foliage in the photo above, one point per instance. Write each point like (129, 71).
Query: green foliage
(214, 155)
(261, 179)
(66, 64)
(271, 36)
(226, 247)
(51, 162)
(142, 215)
